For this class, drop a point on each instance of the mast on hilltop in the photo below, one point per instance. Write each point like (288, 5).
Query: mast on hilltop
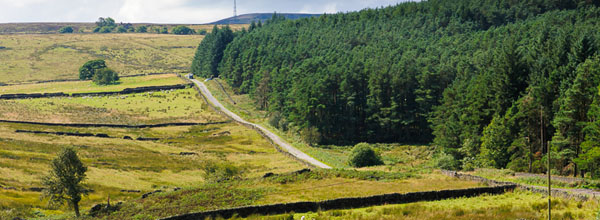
(234, 8)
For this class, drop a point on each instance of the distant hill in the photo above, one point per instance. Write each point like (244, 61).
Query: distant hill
(248, 18)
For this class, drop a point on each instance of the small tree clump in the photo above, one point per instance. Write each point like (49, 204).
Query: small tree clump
(65, 30)
(88, 69)
(121, 29)
(63, 183)
(182, 30)
(105, 76)
(106, 29)
(141, 29)
(363, 156)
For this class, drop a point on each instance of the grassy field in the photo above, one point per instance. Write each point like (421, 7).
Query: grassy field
(557, 182)
(39, 57)
(289, 187)
(118, 164)
(142, 108)
(89, 86)
(515, 205)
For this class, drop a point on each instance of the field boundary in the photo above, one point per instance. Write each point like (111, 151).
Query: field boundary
(77, 134)
(75, 80)
(122, 92)
(564, 193)
(115, 125)
(345, 203)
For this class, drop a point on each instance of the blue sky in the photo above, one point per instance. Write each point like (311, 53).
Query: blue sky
(167, 11)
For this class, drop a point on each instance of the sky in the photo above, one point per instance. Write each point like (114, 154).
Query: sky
(167, 11)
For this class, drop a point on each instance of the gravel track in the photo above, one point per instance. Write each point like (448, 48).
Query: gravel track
(276, 139)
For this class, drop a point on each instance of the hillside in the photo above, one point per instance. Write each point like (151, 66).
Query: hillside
(469, 76)
(248, 18)
(85, 27)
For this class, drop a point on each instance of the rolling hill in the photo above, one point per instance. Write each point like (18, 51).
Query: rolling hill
(248, 18)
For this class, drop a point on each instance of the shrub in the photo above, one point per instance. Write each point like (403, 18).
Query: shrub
(141, 29)
(274, 119)
(311, 135)
(121, 29)
(215, 172)
(105, 76)
(363, 155)
(446, 162)
(284, 124)
(64, 30)
(202, 32)
(182, 30)
(106, 29)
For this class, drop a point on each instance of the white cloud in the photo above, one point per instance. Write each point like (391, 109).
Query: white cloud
(166, 11)
(19, 3)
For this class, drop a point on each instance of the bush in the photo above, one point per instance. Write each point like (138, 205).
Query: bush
(182, 30)
(88, 69)
(202, 32)
(446, 162)
(121, 29)
(215, 172)
(65, 30)
(141, 29)
(274, 119)
(105, 29)
(363, 155)
(160, 30)
(105, 76)
(284, 124)
(311, 135)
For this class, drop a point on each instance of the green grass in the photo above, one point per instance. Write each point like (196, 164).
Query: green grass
(512, 205)
(117, 164)
(508, 175)
(89, 86)
(142, 108)
(35, 57)
(313, 186)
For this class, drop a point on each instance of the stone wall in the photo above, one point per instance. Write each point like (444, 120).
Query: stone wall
(113, 125)
(345, 203)
(124, 91)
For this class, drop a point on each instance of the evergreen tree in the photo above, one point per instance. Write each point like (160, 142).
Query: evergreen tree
(573, 114)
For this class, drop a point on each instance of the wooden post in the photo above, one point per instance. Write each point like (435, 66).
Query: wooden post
(547, 158)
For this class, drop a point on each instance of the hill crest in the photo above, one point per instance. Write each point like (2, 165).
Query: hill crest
(248, 18)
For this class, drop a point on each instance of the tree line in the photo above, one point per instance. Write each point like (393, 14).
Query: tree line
(481, 80)
(108, 25)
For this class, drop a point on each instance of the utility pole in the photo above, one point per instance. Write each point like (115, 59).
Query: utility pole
(548, 158)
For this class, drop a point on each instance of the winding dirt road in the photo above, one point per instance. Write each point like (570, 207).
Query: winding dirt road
(276, 139)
